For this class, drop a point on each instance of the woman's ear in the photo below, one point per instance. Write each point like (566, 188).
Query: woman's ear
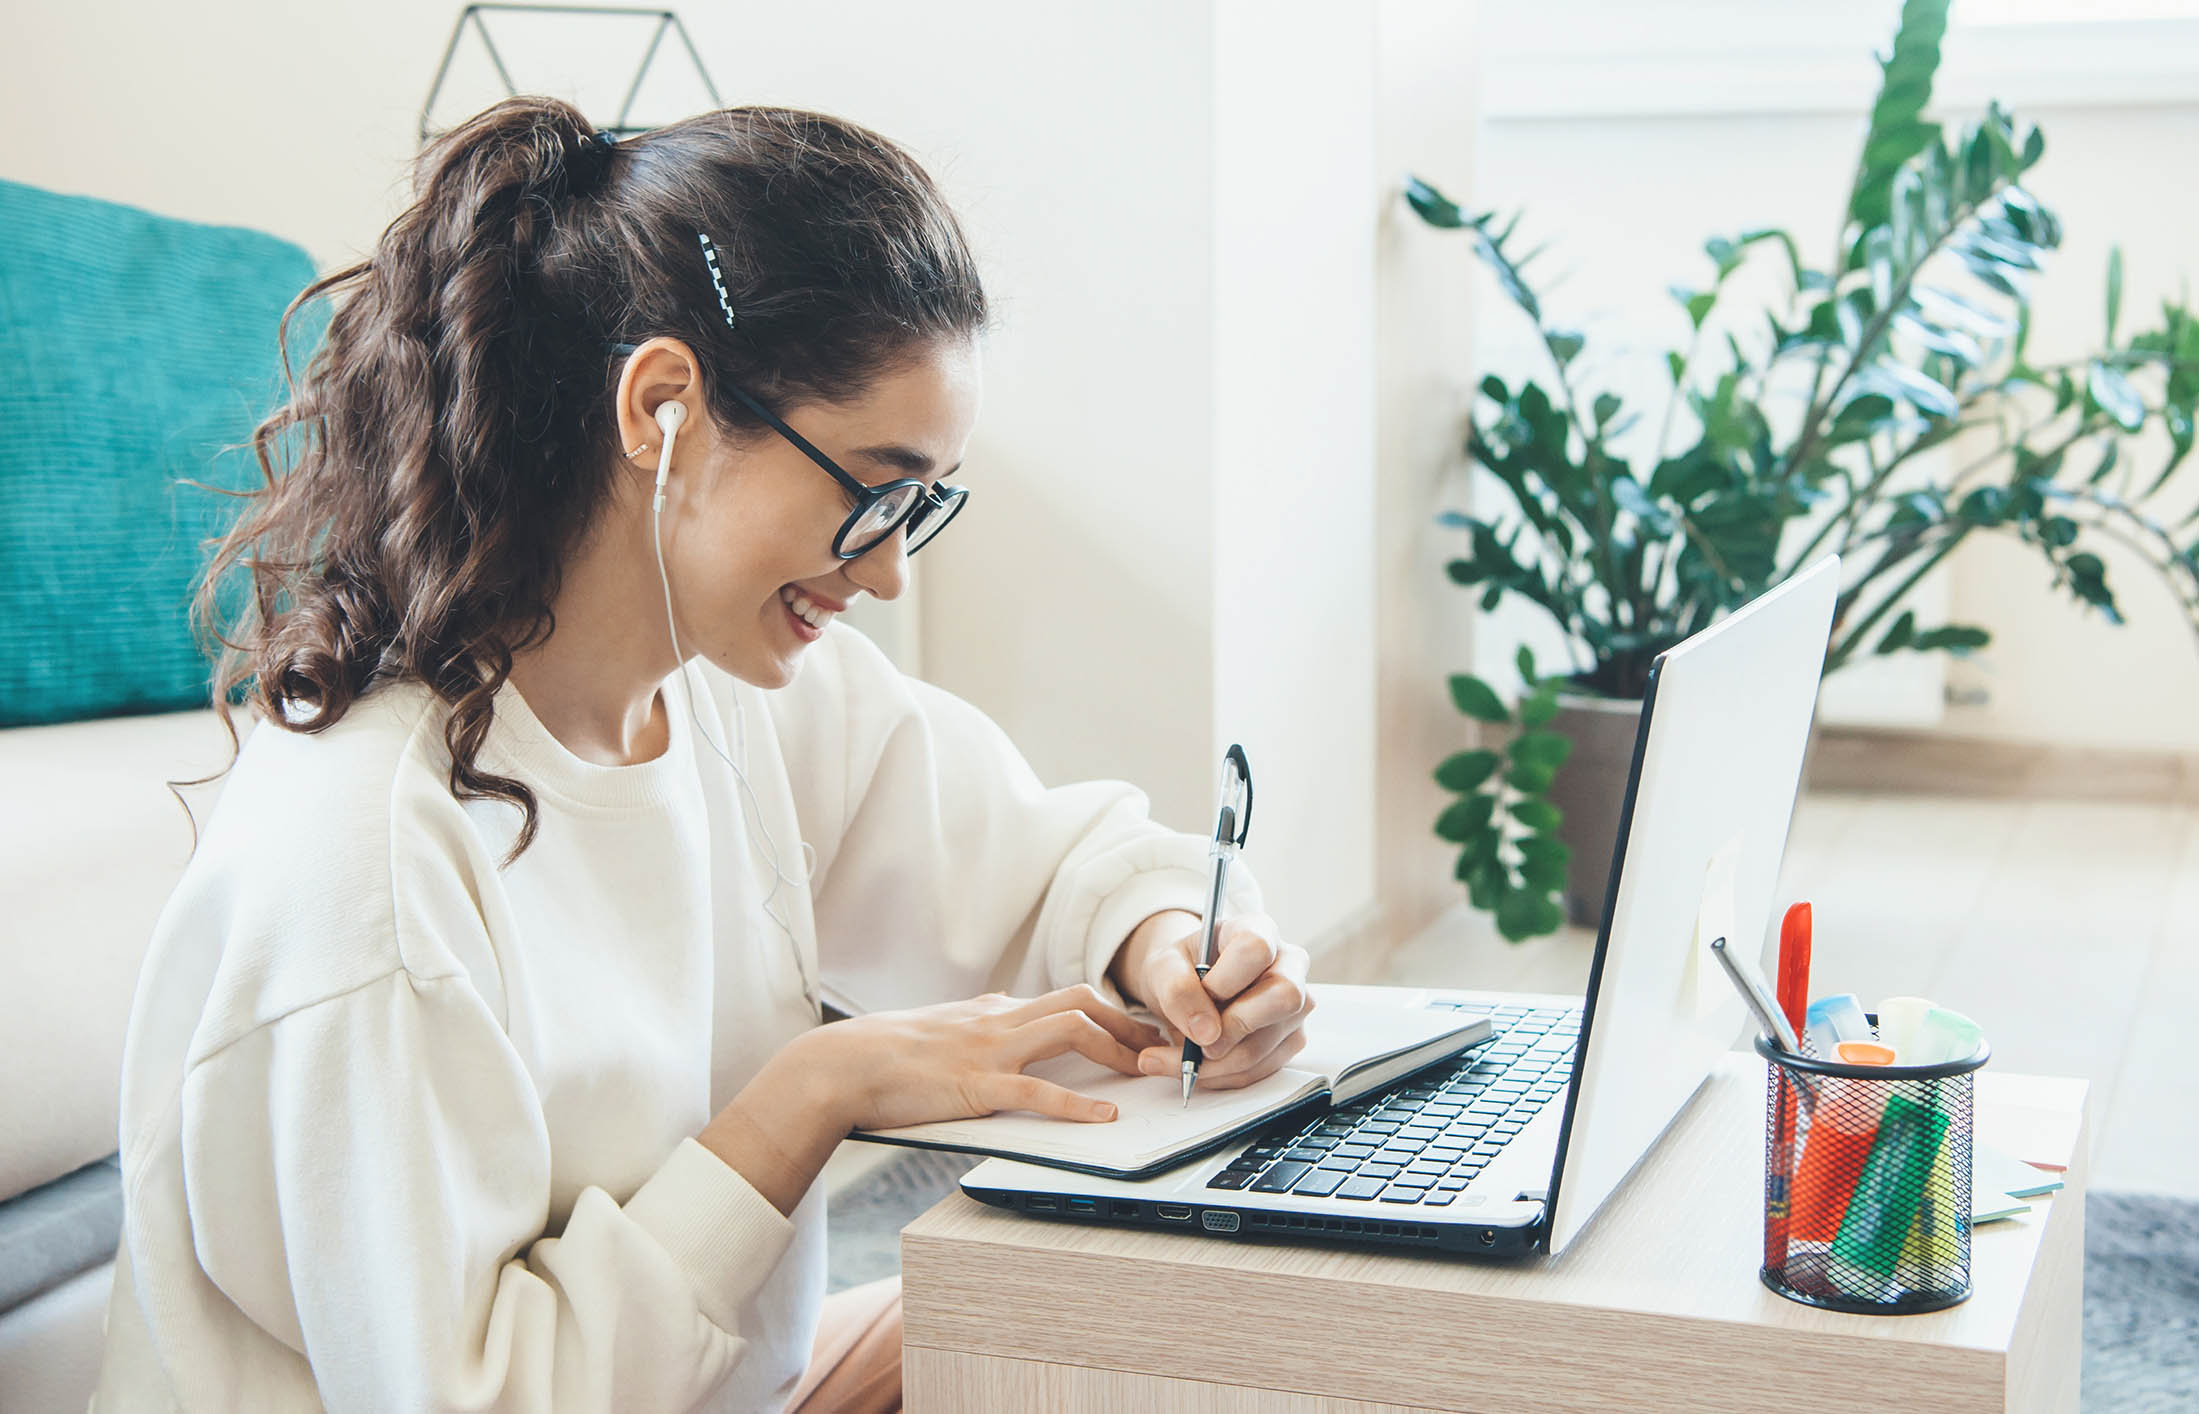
(661, 373)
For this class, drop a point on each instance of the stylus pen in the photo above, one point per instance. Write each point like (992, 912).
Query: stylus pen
(1232, 823)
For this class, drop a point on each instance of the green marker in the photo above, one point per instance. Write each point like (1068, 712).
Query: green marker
(1893, 1185)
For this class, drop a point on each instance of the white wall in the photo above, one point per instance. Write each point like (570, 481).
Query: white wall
(1426, 315)
(1293, 469)
(1177, 499)
(1630, 133)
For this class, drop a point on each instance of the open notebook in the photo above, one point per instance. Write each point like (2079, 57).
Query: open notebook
(1357, 1039)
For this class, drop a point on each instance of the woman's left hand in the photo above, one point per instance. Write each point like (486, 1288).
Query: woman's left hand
(1247, 1014)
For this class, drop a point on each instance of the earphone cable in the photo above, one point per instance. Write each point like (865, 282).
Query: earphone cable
(809, 854)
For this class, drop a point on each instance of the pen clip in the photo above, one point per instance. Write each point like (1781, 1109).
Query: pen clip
(1233, 814)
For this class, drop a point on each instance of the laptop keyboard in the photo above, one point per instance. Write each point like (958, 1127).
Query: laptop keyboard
(1427, 1136)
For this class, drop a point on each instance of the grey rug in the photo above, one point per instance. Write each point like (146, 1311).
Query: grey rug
(2141, 1277)
(2141, 1303)
(864, 1220)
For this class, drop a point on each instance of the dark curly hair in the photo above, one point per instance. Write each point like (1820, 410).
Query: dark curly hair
(454, 434)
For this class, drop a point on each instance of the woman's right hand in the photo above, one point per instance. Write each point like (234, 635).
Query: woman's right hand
(960, 1059)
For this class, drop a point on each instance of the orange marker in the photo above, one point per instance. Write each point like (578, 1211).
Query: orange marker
(1794, 966)
(1794, 1000)
(1864, 1053)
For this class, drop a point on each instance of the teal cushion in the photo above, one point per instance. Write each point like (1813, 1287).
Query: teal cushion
(133, 348)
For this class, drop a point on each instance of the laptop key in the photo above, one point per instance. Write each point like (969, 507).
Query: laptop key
(1439, 1199)
(1280, 1178)
(1361, 1187)
(1352, 1151)
(1452, 1183)
(1228, 1178)
(1321, 1183)
(1404, 1193)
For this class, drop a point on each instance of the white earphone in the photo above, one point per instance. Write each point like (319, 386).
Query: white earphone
(670, 416)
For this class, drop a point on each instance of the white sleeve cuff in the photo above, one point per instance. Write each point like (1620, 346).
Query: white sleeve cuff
(725, 1235)
(1166, 871)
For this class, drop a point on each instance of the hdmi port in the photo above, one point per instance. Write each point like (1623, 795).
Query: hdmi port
(1173, 1212)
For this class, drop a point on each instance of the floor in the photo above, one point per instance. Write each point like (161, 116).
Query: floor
(2068, 929)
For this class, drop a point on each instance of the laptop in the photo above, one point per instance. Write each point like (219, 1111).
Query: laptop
(1511, 1147)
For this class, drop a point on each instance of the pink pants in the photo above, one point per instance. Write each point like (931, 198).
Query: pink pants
(855, 1367)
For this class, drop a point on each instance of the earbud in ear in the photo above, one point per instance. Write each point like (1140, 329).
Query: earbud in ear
(669, 418)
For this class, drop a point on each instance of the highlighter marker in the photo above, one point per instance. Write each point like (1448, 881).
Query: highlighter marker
(1835, 1019)
(1934, 1243)
(1945, 1036)
(1899, 1019)
(1887, 1195)
(1864, 1053)
(1833, 1152)
(1794, 1003)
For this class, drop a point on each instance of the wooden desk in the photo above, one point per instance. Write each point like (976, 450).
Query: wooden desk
(1656, 1307)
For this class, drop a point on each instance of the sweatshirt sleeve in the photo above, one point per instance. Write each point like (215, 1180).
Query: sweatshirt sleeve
(378, 1167)
(945, 868)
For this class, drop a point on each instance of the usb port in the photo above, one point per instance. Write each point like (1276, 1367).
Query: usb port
(1083, 1205)
(1172, 1212)
(1041, 1203)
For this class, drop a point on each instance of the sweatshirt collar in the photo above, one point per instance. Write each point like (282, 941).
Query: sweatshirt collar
(518, 737)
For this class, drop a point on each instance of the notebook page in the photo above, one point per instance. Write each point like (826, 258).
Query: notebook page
(1151, 1121)
(1349, 1028)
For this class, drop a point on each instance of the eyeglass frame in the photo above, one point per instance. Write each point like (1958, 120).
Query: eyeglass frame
(865, 495)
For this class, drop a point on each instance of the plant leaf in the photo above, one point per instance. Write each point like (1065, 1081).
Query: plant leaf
(1539, 816)
(1546, 750)
(2114, 290)
(1477, 699)
(1466, 770)
(1540, 707)
(2116, 397)
(1464, 819)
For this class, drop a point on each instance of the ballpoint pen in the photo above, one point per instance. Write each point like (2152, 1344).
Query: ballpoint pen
(1233, 821)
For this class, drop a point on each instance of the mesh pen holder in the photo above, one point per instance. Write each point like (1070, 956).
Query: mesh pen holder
(1867, 1181)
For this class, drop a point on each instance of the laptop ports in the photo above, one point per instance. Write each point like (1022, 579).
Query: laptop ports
(1172, 1212)
(1214, 1221)
(1083, 1205)
(1041, 1202)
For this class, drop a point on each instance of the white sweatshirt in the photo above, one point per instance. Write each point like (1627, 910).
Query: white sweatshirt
(402, 1130)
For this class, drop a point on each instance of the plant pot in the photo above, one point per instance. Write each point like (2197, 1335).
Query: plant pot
(1590, 790)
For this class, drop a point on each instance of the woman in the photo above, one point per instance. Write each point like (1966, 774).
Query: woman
(476, 1060)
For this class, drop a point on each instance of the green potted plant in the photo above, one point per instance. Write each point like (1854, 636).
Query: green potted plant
(1912, 338)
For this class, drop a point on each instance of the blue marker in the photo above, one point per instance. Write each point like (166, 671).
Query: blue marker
(1835, 1019)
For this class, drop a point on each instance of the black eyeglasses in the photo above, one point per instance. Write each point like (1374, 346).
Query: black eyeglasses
(879, 510)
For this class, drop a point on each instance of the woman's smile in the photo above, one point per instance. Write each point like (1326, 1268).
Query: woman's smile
(806, 616)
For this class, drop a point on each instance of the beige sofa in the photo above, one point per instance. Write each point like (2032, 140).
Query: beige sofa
(91, 843)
